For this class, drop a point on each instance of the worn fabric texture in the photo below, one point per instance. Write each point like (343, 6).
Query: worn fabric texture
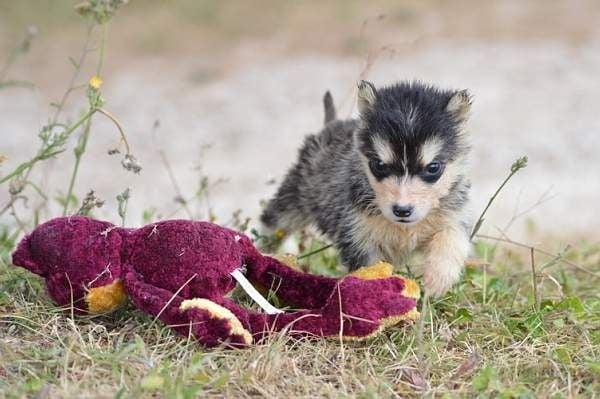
(179, 271)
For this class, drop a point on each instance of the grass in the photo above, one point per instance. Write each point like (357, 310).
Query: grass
(523, 322)
(486, 339)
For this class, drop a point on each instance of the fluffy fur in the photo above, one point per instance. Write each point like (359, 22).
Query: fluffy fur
(387, 183)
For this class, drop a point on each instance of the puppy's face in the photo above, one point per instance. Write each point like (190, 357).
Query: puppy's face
(412, 146)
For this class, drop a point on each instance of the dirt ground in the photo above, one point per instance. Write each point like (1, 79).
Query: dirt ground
(252, 93)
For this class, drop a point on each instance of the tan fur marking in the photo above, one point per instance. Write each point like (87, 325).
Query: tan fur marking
(429, 150)
(384, 151)
(414, 191)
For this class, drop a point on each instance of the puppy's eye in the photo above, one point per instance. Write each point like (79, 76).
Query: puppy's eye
(433, 168)
(433, 171)
(378, 168)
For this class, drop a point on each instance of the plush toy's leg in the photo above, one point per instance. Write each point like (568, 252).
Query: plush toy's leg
(292, 286)
(210, 323)
(340, 315)
(355, 308)
(305, 322)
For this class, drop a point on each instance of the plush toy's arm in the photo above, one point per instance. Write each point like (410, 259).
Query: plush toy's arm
(210, 323)
(355, 309)
(292, 286)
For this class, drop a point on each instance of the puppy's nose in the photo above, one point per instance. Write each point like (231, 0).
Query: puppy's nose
(402, 211)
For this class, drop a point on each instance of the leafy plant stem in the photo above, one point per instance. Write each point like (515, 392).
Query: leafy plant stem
(41, 155)
(79, 150)
(81, 146)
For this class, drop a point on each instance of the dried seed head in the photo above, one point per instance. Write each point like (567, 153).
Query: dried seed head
(130, 163)
(16, 185)
(32, 31)
(180, 200)
(90, 202)
(30, 34)
(100, 10)
(519, 164)
(124, 196)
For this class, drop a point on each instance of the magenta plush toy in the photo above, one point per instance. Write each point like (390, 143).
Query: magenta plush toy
(180, 272)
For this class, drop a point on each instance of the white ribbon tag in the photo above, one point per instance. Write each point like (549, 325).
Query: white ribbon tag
(253, 293)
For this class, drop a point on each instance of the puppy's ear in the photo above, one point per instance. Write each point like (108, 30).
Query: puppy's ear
(330, 112)
(459, 106)
(366, 96)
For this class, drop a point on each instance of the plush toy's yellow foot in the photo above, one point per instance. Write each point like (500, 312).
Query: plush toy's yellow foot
(217, 311)
(411, 288)
(106, 298)
(384, 270)
(375, 271)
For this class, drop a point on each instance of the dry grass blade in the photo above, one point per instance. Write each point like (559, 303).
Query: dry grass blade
(541, 251)
(467, 367)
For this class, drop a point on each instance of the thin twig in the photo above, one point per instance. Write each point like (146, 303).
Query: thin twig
(80, 61)
(316, 251)
(19, 50)
(420, 329)
(534, 279)
(102, 48)
(172, 298)
(341, 330)
(516, 166)
(79, 150)
(538, 250)
(545, 197)
(183, 201)
(118, 125)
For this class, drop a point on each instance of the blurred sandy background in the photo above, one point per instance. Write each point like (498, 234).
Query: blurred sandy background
(245, 78)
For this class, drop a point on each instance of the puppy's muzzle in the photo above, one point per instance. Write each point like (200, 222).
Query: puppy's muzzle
(402, 211)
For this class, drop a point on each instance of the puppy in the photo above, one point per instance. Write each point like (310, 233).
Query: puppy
(387, 183)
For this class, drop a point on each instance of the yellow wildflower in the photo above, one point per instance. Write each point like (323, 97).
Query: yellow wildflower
(95, 82)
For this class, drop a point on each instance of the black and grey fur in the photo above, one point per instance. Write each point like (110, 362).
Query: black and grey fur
(387, 183)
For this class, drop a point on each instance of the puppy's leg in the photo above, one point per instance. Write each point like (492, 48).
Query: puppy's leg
(352, 258)
(353, 255)
(446, 255)
(284, 210)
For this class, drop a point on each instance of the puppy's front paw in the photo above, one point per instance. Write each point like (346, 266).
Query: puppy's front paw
(447, 253)
(437, 283)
